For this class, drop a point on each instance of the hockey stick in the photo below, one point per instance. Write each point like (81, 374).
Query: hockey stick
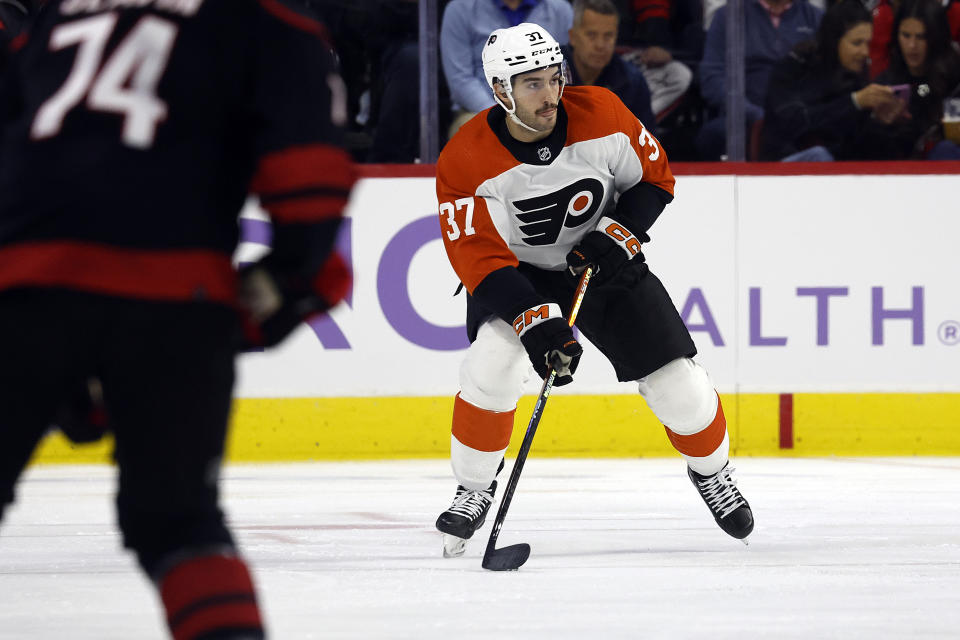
(512, 558)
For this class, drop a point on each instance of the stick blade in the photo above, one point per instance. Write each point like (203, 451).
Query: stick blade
(507, 559)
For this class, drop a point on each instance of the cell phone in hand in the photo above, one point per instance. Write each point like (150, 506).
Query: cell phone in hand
(902, 91)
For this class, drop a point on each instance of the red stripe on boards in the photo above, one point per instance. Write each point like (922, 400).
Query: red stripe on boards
(396, 170)
(913, 167)
(786, 421)
(873, 168)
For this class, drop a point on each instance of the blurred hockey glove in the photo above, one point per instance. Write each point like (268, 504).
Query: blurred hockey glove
(549, 340)
(274, 302)
(608, 249)
(83, 419)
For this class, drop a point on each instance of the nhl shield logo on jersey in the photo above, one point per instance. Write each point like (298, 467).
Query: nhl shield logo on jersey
(544, 153)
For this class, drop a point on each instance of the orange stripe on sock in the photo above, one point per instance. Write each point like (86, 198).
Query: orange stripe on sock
(481, 429)
(703, 442)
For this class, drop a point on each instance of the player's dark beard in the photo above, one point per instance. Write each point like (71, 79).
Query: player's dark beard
(530, 119)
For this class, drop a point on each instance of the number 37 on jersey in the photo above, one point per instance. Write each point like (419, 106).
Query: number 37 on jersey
(462, 209)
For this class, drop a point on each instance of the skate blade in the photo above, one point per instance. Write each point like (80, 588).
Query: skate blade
(745, 541)
(453, 547)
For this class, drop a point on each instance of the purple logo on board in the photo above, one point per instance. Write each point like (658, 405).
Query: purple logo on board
(395, 301)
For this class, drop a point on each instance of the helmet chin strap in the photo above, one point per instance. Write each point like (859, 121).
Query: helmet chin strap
(512, 112)
(516, 120)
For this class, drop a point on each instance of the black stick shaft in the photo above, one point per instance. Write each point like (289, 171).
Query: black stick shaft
(521, 458)
(532, 425)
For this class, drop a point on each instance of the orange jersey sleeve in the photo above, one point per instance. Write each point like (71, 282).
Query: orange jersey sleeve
(473, 242)
(596, 112)
(653, 158)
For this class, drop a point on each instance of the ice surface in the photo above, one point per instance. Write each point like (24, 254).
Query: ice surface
(843, 548)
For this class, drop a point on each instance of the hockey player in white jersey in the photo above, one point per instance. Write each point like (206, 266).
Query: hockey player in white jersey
(531, 191)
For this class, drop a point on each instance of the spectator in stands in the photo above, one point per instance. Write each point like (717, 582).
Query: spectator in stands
(395, 85)
(820, 98)
(674, 25)
(659, 31)
(591, 60)
(710, 9)
(771, 29)
(923, 57)
(355, 35)
(883, 40)
(466, 26)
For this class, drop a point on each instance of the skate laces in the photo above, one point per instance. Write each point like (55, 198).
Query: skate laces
(720, 492)
(470, 503)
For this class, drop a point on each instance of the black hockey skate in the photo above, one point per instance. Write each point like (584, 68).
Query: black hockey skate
(726, 503)
(466, 514)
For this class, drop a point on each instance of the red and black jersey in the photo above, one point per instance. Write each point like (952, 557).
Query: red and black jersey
(502, 202)
(132, 133)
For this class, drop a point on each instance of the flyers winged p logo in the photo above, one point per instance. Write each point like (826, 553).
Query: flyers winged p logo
(543, 217)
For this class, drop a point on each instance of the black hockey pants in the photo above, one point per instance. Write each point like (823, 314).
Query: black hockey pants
(167, 373)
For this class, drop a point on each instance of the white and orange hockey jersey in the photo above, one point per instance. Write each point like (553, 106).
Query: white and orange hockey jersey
(503, 202)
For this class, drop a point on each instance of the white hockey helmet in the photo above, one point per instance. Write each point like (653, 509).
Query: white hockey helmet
(515, 50)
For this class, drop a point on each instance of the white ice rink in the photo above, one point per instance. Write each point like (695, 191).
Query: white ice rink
(844, 548)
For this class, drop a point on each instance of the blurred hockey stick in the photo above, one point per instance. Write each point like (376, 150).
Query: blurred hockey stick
(512, 558)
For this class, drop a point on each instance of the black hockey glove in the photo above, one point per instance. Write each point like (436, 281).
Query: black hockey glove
(608, 249)
(274, 302)
(549, 340)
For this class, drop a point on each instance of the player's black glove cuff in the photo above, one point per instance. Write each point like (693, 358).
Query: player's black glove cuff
(275, 301)
(549, 340)
(608, 249)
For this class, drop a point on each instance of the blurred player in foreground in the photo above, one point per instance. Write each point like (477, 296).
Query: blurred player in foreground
(132, 133)
(531, 192)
